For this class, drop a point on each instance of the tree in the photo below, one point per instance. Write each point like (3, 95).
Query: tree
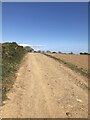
(53, 52)
(48, 51)
(29, 49)
(59, 52)
(43, 51)
(71, 53)
(81, 53)
(39, 51)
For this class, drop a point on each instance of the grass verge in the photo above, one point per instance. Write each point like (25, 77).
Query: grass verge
(12, 54)
(70, 65)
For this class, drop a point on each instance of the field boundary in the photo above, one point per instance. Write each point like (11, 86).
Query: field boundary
(69, 65)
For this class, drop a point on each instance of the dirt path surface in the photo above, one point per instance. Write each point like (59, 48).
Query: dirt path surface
(44, 88)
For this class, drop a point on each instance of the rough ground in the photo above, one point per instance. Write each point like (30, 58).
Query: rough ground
(44, 88)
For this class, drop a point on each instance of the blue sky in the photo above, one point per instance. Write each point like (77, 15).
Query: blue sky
(55, 26)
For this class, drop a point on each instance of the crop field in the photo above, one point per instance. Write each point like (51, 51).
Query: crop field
(80, 61)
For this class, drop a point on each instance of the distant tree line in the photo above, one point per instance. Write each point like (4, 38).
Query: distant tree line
(48, 51)
(84, 53)
(29, 49)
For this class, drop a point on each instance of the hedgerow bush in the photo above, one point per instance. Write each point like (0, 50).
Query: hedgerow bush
(12, 54)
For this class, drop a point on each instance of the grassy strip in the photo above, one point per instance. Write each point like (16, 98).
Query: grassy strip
(12, 54)
(70, 65)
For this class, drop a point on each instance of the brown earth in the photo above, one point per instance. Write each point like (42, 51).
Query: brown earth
(45, 88)
(79, 60)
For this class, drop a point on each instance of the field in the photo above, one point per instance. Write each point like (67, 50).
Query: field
(81, 61)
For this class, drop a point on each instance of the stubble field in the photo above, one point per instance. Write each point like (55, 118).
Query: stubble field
(80, 61)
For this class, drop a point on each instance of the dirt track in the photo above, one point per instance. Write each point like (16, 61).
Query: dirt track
(44, 88)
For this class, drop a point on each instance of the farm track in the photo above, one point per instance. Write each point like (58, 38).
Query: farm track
(45, 88)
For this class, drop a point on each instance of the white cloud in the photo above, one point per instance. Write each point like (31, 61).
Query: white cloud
(31, 45)
(35, 47)
(24, 45)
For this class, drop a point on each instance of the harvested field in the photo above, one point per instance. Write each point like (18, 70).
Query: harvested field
(80, 61)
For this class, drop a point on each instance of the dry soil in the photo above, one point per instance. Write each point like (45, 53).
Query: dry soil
(45, 88)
